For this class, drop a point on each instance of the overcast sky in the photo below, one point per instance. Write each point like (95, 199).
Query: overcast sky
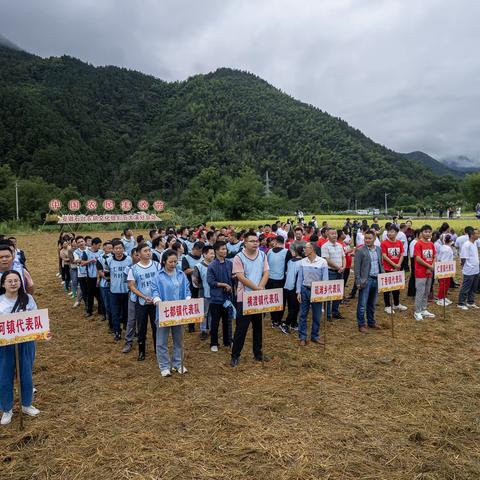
(405, 72)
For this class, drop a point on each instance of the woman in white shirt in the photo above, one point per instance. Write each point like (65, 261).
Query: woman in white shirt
(13, 298)
(444, 252)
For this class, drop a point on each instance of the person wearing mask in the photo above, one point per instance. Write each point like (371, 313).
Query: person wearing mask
(424, 254)
(368, 264)
(250, 267)
(170, 284)
(392, 254)
(470, 270)
(334, 254)
(311, 269)
(277, 258)
(14, 298)
(220, 281)
(140, 278)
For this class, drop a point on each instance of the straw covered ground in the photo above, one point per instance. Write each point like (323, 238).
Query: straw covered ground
(370, 407)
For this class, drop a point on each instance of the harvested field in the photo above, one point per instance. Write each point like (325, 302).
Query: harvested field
(370, 407)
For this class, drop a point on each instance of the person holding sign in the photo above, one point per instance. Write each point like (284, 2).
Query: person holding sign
(368, 264)
(470, 270)
(393, 260)
(424, 254)
(169, 284)
(312, 268)
(444, 254)
(251, 269)
(13, 298)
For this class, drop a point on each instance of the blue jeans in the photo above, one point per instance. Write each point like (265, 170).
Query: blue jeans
(105, 294)
(367, 298)
(26, 353)
(333, 307)
(163, 355)
(316, 316)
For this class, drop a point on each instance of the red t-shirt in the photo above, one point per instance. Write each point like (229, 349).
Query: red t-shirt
(426, 251)
(394, 251)
(348, 255)
(270, 235)
(322, 241)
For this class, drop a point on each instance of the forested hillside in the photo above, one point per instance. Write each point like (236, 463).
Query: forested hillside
(204, 143)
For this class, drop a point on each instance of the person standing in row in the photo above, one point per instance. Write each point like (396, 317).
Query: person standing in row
(170, 284)
(251, 269)
(334, 254)
(470, 270)
(368, 264)
(104, 282)
(290, 289)
(393, 261)
(424, 254)
(312, 268)
(140, 278)
(444, 254)
(220, 281)
(14, 298)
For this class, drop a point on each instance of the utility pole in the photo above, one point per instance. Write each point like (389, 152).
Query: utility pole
(386, 203)
(16, 199)
(267, 185)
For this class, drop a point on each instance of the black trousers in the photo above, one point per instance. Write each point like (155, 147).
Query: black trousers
(142, 313)
(346, 275)
(411, 282)
(396, 298)
(217, 312)
(194, 291)
(83, 281)
(293, 307)
(241, 328)
(93, 292)
(276, 316)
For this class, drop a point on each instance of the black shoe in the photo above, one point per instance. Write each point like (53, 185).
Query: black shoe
(234, 362)
(141, 356)
(262, 358)
(275, 325)
(338, 316)
(87, 315)
(191, 327)
(284, 328)
(203, 335)
(117, 337)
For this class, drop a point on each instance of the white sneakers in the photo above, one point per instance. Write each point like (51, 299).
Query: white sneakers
(400, 307)
(6, 417)
(472, 305)
(165, 373)
(30, 411)
(389, 310)
(214, 348)
(426, 313)
(76, 304)
(443, 302)
(418, 316)
(180, 370)
(462, 307)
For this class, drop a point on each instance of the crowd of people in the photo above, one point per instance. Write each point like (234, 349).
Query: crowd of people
(128, 276)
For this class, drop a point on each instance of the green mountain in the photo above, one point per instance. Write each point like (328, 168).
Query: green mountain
(113, 131)
(430, 162)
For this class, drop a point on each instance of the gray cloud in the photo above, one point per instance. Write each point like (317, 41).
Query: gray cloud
(404, 72)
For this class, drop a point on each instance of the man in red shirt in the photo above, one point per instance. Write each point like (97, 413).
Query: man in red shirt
(392, 255)
(323, 237)
(424, 255)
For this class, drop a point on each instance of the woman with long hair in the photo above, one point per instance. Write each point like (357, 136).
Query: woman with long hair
(14, 298)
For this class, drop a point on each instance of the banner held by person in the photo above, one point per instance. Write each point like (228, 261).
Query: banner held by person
(445, 269)
(180, 312)
(388, 282)
(263, 301)
(25, 326)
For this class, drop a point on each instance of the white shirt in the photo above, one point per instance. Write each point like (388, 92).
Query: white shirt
(444, 253)
(384, 235)
(282, 233)
(411, 247)
(377, 242)
(469, 252)
(460, 241)
(6, 304)
(403, 238)
(360, 239)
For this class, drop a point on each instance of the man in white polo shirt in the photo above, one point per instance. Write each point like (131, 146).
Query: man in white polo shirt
(470, 270)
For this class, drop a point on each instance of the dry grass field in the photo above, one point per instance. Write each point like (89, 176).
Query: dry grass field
(370, 407)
